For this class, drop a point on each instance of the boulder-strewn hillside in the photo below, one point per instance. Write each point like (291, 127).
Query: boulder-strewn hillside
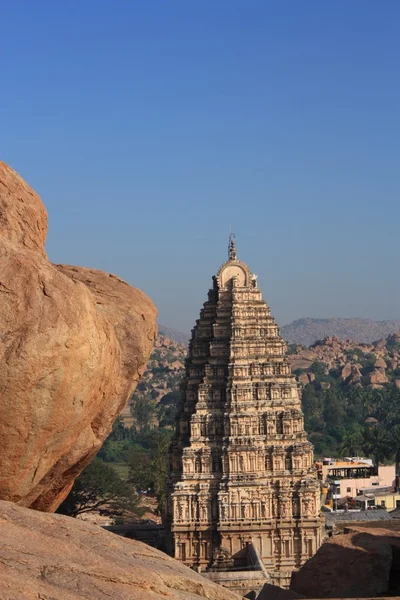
(350, 362)
(164, 369)
(307, 331)
(156, 395)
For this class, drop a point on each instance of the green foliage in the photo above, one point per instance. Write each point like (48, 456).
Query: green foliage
(376, 443)
(149, 464)
(101, 489)
(355, 352)
(352, 442)
(392, 345)
(115, 452)
(299, 371)
(116, 447)
(395, 445)
(313, 409)
(335, 419)
(167, 408)
(369, 360)
(143, 410)
(319, 369)
(334, 374)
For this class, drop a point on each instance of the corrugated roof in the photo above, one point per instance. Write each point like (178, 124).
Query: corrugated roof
(362, 515)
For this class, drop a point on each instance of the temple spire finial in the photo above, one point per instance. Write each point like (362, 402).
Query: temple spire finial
(232, 247)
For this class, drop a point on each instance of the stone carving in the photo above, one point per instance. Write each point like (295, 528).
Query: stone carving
(284, 506)
(221, 559)
(253, 476)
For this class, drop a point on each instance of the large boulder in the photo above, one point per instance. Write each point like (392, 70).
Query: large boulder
(356, 565)
(377, 377)
(73, 345)
(346, 371)
(60, 558)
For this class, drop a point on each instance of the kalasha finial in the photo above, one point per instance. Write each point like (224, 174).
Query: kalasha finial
(232, 247)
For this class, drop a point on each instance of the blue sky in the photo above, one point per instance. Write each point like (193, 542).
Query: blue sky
(151, 127)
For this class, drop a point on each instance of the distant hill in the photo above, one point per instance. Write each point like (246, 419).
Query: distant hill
(307, 331)
(173, 334)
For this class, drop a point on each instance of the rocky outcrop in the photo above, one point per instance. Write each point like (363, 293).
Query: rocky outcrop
(353, 363)
(73, 345)
(377, 377)
(346, 371)
(347, 566)
(163, 375)
(57, 557)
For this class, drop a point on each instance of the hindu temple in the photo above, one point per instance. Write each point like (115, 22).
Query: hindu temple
(243, 493)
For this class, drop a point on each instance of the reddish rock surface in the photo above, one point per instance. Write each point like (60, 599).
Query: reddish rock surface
(59, 558)
(355, 565)
(73, 344)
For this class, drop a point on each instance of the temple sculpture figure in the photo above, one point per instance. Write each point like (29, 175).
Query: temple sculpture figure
(241, 467)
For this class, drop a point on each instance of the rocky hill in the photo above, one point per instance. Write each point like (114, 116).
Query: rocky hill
(164, 369)
(158, 390)
(307, 331)
(350, 362)
(173, 334)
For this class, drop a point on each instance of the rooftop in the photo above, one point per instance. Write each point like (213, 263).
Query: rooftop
(362, 515)
(337, 464)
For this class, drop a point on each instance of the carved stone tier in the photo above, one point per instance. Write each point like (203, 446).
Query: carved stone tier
(241, 468)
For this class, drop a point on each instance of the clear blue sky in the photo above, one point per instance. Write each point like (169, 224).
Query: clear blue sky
(150, 126)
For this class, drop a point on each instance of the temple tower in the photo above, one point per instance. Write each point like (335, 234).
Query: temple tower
(241, 467)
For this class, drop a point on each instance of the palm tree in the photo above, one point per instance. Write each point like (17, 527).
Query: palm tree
(395, 445)
(375, 443)
(352, 442)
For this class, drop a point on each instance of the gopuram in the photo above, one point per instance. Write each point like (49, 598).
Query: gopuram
(242, 485)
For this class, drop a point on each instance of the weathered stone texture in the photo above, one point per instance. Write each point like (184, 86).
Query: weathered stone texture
(60, 558)
(73, 345)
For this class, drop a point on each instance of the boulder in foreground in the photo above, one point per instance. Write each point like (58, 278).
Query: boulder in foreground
(356, 565)
(73, 345)
(60, 558)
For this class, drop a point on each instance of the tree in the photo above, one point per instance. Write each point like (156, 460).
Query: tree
(118, 431)
(99, 488)
(312, 405)
(395, 444)
(142, 411)
(352, 442)
(319, 369)
(148, 468)
(334, 409)
(168, 407)
(375, 443)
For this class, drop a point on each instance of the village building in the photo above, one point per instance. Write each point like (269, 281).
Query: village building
(359, 480)
(243, 489)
